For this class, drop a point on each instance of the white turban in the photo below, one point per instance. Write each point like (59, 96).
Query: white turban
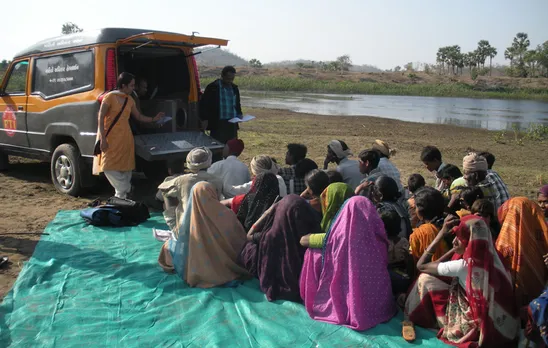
(263, 164)
(474, 163)
(337, 149)
(199, 158)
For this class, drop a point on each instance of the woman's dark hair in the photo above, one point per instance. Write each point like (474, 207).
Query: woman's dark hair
(124, 79)
(317, 181)
(450, 172)
(485, 208)
(372, 156)
(430, 154)
(392, 222)
(471, 194)
(430, 203)
(334, 176)
(297, 151)
(304, 167)
(344, 146)
(415, 182)
(388, 188)
(489, 157)
(228, 69)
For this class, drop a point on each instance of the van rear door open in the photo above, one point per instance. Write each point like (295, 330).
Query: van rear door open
(167, 39)
(164, 146)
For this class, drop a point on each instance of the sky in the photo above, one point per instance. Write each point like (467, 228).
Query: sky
(383, 33)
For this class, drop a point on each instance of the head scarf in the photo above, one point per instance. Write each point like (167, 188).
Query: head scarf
(198, 159)
(474, 163)
(353, 287)
(263, 164)
(235, 146)
(277, 258)
(383, 148)
(544, 190)
(332, 199)
(337, 149)
(522, 241)
(210, 238)
(492, 319)
(264, 191)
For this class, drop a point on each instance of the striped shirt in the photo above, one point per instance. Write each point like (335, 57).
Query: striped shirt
(227, 102)
(502, 190)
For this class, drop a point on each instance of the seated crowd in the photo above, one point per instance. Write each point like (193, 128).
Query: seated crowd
(353, 244)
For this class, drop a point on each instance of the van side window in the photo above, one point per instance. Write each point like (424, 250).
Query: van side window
(17, 83)
(59, 75)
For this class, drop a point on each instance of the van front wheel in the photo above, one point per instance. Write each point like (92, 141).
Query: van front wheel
(65, 169)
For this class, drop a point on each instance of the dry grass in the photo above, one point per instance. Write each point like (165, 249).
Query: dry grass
(523, 167)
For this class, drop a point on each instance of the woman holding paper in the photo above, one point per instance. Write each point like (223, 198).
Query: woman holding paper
(116, 157)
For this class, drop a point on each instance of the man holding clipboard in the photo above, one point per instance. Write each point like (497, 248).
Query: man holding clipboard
(219, 104)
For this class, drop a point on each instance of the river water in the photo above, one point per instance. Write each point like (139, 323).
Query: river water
(492, 114)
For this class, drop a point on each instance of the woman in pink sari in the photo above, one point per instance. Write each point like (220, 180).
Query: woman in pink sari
(350, 285)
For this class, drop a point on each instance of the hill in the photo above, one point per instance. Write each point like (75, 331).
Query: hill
(219, 57)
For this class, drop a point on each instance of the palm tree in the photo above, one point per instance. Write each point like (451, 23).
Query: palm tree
(531, 57)
(492, 52)
(483, 51)
(510, 54)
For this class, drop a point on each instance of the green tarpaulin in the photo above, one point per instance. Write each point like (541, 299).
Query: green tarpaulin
(102, 287)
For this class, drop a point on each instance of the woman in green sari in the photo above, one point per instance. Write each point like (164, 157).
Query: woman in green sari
(332, 199)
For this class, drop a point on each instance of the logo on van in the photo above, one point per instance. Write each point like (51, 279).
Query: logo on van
(9, 121)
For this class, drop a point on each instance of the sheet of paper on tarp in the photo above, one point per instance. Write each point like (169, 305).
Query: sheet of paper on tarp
(244, 118)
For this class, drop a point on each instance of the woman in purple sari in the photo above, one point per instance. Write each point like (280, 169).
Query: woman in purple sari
(351, 285)
(273, 252)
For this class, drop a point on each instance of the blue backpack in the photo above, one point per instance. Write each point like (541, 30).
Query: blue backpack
(116, 212)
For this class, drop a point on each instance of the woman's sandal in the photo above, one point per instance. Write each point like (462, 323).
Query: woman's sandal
(408, 331)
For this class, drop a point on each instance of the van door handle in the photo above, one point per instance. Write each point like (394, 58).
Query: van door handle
(20, 108)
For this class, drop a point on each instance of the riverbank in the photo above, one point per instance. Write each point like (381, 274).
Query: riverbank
(385, 83)
(28, 200)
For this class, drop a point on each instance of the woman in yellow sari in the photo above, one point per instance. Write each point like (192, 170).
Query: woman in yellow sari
(205, 252)
(117, 157)
(522, 242)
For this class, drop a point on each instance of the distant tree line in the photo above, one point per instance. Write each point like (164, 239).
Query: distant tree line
(341, 64)
(524, 62)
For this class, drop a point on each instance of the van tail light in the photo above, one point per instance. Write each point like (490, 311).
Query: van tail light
(110, 78)
(110, 73)
(196, 75)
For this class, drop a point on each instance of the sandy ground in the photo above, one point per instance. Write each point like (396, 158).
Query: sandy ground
(28, 199)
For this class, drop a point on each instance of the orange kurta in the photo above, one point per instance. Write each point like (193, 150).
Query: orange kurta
(421, 238)
(523, 240)
(120, 155)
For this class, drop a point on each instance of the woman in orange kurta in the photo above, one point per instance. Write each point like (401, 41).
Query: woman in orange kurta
(117, 157)
(522, 242)
(429, 205)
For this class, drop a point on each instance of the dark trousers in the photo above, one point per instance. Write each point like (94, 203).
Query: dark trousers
(224, 131)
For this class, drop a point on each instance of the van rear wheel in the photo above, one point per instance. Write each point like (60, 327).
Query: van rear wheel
(4, 162)
(65, 169)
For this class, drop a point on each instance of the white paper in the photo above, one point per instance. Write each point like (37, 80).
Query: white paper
(244, 118)
(162, 235)
(163, 120)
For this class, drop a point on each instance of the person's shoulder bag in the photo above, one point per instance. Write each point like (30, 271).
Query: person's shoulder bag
(97, 148)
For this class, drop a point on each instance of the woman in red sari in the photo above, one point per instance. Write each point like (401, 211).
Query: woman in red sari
(476, 309)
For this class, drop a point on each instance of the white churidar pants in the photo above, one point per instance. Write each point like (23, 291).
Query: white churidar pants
(121, 181)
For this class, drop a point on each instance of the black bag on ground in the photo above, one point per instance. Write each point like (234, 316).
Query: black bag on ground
(116, 212)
